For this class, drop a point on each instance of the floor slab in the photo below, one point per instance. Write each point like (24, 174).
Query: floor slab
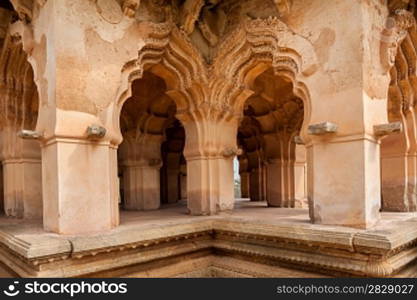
(252, 233)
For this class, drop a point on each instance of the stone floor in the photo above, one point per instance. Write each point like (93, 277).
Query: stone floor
(254, 212)
(254, 222)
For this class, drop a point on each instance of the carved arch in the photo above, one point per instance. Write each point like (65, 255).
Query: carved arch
(169, 54)
(253, 48)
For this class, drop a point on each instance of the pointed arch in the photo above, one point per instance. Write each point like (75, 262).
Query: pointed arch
(253, 48)
(168, 53)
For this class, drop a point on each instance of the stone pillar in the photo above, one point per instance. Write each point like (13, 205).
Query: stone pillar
(141, 163)
(344, 186)
(21, 158)
(172, 161)
(244, 184)
(22, 176)
(398, 163)
(22, 188)
(183, 182)
(264, 176)
(1, 190)
(300, 177)
(394, 173)
(141, 187)
(209, 150)
(286, 182)
(411, 128)
(78, 180)
(173, 185)
(275, 179)
(356, 202)
(256, 185)
(280, 174)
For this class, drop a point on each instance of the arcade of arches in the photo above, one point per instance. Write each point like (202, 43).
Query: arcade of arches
(121, 121)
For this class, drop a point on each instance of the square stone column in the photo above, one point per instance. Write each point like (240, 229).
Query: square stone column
(256, 185)
(300, 177)
(79, 186)
(275, 185)
(399, 167)
(1, 189)
(173, 185)
(141, 187)
(397, 174)
(22, 184)
(344, 182)
(209, 150)
(140, 159)
(244, 184)
(210, 185)
(183, 182)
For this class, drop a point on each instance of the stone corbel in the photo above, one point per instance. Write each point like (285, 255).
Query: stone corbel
(29, 134)
(232, 152)
(387, 129)
(395, 31)
(322, 128)
(95, 132)
(130, 7)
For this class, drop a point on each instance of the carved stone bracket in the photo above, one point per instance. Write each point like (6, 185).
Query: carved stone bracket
(232, 152)
(322, 128)
(29, 134)
(386, 129)
(96, 132)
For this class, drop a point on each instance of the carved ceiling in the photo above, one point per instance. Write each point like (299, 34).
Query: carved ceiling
(206, 22)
